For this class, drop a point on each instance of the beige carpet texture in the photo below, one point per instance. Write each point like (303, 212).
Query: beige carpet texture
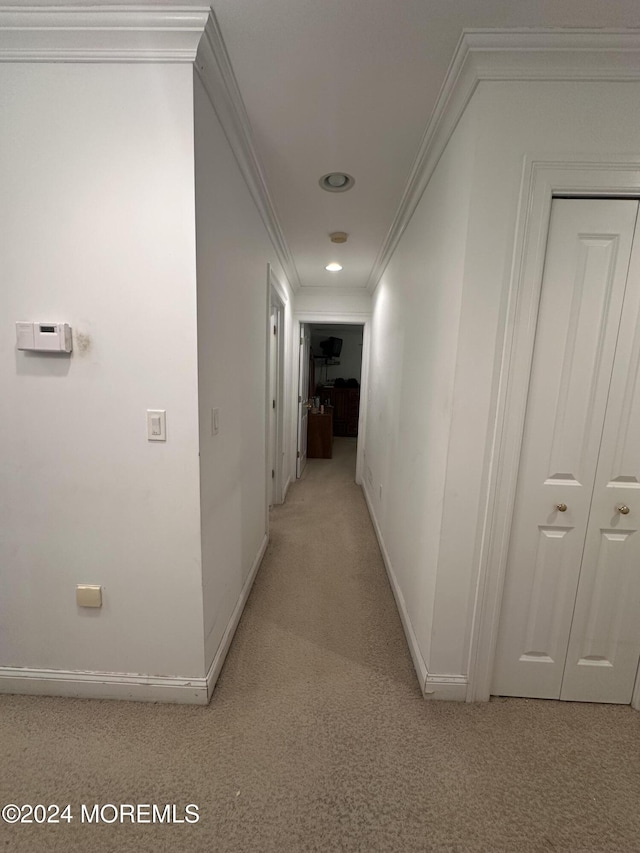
(318, 738)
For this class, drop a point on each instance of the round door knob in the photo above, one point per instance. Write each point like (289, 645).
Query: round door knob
(563, 507)
(623, 510)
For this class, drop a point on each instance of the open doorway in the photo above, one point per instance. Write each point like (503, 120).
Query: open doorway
(275, 394)
(332, 364)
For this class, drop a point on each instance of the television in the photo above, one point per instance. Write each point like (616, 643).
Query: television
(331, 348)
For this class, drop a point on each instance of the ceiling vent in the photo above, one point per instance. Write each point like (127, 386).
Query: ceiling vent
(336, 182)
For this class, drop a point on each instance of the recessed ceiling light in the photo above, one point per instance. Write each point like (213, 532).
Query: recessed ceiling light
(333, 267)
(336, 182)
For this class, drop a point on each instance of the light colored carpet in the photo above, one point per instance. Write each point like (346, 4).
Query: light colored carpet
(317, 737)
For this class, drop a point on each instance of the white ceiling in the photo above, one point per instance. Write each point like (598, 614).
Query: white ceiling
(349, 85)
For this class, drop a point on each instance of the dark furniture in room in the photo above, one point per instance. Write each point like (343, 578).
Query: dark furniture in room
(346, 407)
(320, 435)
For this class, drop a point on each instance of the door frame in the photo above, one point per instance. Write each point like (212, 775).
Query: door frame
(542, 180)
(276, 298)
(345, 319)
(302, 394)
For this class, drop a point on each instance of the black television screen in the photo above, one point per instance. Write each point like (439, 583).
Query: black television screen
(331, 348)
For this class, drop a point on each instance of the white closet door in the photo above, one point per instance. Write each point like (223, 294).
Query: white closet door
(583, 287)
(273, 385)
(604, 646)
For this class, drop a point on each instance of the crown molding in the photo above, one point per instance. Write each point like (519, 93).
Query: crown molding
(115, 33)
(507, 55)
(214, 69)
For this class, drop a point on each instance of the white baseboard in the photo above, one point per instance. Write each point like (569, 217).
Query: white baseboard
(433, 686)
(103, 685)
(635, 699)
(124, 685)
(227, 637)
(286, 488)
(416, 656)
(449, 687)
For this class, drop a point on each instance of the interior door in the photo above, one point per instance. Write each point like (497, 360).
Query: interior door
(303, 397)
(583, 289)
(604, 644)
(273, 386)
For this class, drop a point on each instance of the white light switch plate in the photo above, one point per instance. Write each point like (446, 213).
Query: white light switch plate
(156, 424)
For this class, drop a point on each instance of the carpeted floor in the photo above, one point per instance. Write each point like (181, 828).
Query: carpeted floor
(317, 737)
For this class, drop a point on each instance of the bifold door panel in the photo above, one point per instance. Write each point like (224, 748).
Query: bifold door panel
(604, 647)
(567, 627)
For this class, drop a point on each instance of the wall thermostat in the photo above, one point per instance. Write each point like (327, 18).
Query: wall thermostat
(44, 337)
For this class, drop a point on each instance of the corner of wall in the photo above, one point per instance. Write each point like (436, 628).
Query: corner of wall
(106, 195)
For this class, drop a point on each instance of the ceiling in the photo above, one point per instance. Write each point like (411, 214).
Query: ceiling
(349, 85)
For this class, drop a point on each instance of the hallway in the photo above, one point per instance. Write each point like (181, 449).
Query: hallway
(317, 737)
(321, 623)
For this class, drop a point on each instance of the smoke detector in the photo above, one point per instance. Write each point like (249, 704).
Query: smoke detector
(336, 182)
(339, 237)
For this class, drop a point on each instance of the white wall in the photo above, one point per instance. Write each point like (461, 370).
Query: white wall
(544, 121)
(439, 315)
(333, 301)
(97, 229)
(350, 358)
(414, 341)
(233, 252)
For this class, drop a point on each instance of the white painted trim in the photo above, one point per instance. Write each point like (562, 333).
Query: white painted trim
(541, 180)
(277, 300)
(223, 649)
(364, 402)
(281, 399)
(286, 488)
(300, 397)
(216, 72)
(278, 287)
(450, 688)
(588, 55)
(416, 655)
(103, 685)
(446, 678)
(268, 487)
(287, 393)
(635, 698)
(341, 318)
(117, 33)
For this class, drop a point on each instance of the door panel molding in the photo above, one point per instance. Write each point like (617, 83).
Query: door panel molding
(542, 179)
(603, 653)
(578, 322)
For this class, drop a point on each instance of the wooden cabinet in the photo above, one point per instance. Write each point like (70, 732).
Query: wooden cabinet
(346, 409)
(320, 435)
